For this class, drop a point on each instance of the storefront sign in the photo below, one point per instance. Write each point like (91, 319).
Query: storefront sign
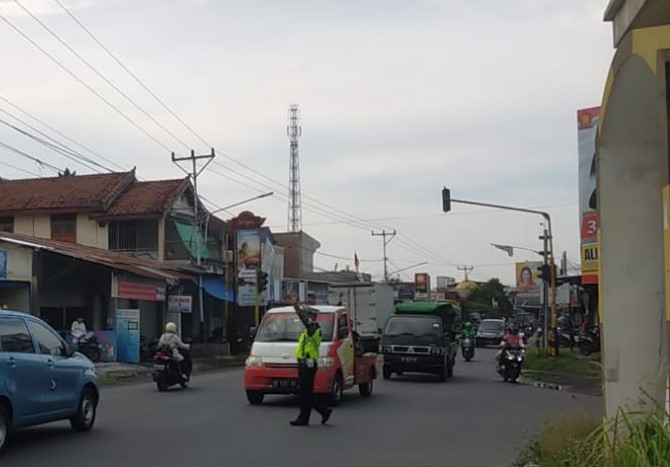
(180, 304)
(138, 290)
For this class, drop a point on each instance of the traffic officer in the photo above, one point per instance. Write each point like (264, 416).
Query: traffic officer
(307, 354)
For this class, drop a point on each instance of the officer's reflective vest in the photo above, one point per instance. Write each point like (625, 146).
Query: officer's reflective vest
(308, 346)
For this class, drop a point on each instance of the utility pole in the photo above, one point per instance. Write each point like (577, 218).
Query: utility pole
(384, 234)
(194, 173)
(545, 290)
(466, 270)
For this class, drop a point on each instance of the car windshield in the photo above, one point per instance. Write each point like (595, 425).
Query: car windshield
(491, 326)
(286, 327)
(413, 326)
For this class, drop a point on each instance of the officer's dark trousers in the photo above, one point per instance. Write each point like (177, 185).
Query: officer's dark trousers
(307, 397)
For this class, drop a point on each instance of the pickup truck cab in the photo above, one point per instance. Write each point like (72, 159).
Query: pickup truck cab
(420, 337)
(272, 367)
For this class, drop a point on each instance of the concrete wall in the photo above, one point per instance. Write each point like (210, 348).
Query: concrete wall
(19, 262)
(632, 171)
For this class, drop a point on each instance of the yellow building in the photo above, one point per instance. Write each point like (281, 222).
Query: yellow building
(633, 194)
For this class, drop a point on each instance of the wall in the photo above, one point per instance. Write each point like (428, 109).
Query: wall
(632, 171)
(19, 262)
(36, 225)
(90, 233)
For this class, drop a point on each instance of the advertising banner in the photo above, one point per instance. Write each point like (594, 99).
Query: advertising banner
(3, 264)
(587, 127)
(248, 261)
(128, 335)
(527, 281)
(421, 286)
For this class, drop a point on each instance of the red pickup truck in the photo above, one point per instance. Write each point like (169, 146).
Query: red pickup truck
(272, 367)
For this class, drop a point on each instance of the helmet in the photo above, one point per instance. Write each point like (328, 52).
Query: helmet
(468, 324)
(171, 327)
(513, 329)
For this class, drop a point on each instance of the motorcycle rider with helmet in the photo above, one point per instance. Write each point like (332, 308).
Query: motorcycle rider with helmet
(171, 341)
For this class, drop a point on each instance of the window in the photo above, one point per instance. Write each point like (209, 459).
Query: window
(64, 227)
(7, 224)
(48, 342)
(14, 336)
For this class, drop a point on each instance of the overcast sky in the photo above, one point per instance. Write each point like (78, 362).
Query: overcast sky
(397, 98)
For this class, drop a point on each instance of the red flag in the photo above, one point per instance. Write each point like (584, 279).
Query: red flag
(356, 261)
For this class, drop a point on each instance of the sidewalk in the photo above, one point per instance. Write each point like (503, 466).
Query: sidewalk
(117, 372)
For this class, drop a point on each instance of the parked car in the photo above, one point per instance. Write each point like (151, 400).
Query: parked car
(42, 378)
(490, 332)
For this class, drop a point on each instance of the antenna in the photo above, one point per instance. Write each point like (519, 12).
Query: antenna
(294, 131)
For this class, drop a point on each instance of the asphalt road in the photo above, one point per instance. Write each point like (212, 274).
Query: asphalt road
(413, 421)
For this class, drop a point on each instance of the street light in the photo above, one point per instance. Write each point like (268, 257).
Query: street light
(225, 208)
(509, 249)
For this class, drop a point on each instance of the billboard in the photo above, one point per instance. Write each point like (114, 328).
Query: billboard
(528, 284)
(587, 127)
(248, 262)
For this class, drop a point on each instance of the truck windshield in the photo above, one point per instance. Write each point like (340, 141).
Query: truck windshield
(286, 327)
(413, 326)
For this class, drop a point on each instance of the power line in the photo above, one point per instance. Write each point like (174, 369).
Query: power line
(59, 133)
(127, 70)
(361, 221)
(99, 74)
(49, 145)
(32, 158)
(84, 83)
(6, 164)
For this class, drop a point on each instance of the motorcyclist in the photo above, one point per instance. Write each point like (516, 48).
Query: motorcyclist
(511, 340)
(171, 340)
(468, 331)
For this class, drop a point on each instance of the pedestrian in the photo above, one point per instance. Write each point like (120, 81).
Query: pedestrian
(307, 354)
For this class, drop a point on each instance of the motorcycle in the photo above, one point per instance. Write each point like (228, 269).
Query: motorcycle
(468, 348)
(167, 371)
(88, 345)
(589, 342)
(509, 366)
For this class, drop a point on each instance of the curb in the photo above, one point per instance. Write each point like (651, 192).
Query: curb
(144, 374)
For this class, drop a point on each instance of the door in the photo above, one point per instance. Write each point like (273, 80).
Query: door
(63, 373)
(345, 349)
(22, 372)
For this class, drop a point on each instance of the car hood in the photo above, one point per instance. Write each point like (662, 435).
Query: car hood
(280, 352)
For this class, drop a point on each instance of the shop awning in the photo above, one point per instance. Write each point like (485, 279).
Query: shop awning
(214, 286)
(188, 234)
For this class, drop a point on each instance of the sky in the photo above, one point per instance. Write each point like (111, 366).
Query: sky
(398, 98)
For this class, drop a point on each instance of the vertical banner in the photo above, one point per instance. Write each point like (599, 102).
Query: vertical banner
(3, 264)
(128, 335)
(248, 262)
(587, 121)
(421, 286)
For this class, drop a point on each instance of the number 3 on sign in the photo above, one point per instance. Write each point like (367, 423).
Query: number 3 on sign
(590, 226)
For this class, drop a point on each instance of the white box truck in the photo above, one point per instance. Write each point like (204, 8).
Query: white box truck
(369, 305)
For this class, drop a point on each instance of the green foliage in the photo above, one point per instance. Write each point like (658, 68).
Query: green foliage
(481, 299)
(632, 439)
(565, 363)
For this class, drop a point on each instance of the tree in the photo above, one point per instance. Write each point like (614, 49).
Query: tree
(489, 299)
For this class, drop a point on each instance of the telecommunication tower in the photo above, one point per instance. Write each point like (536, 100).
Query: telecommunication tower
(294, 131)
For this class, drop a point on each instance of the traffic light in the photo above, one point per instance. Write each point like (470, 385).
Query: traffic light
(446, 199)
(544, 272)
(262, 281)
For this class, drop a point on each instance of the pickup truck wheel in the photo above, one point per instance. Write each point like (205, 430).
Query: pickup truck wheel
(5, 422)
(336, 392)
(255, 397)
(365, 389)
(450, 368)
(386, 372)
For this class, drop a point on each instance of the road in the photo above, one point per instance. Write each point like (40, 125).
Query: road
(413, 421)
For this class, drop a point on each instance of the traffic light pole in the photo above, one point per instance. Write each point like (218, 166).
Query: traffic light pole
(549, 253)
